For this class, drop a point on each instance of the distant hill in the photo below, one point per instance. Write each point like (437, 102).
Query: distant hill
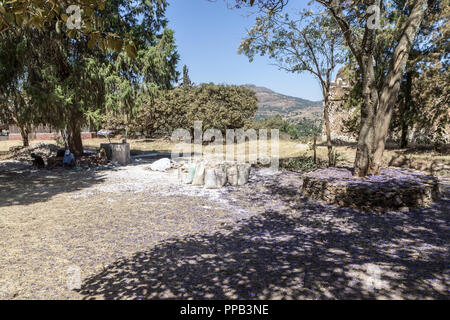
(291, 108)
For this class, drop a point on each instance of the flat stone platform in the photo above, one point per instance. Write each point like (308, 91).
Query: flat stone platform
(393, 189)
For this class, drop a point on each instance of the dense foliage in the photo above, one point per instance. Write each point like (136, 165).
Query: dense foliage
(421, 113)
(217, 106)
(71, 80)
(92, 19)
(303, 129)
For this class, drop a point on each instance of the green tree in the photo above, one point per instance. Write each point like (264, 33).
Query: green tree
(131, 81)
(217, 106)
(187, 83)
(360, 24)
(424, 94)
(16, 77)
(68, 90)
(83, 18)
(221, 106)
(379, 96)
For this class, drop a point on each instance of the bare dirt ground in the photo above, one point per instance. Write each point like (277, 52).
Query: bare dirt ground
(137, 234)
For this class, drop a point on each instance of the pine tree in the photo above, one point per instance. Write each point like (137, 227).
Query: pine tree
(186, 84)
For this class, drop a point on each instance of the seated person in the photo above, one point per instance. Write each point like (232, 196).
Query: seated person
(38, 161)
(69, 159)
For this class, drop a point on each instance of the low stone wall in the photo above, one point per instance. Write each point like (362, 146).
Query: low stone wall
(393, 189)
(47, 136)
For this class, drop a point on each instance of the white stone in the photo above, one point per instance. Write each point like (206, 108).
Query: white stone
(243, 173)
(161, 165)
(210, 179)
(199, 176)
(232, 175)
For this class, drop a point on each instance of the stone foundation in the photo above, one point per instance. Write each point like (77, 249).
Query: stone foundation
(393, 189)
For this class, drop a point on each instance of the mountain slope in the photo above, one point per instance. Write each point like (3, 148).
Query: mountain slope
(272, 103)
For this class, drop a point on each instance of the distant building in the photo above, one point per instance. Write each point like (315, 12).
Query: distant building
(40, 132)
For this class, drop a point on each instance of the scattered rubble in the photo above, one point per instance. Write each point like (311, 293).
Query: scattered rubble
(53, 156)
(44, 150)
(93, 161)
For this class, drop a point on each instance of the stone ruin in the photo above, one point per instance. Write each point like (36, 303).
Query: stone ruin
(393, 189)
(337, 112)
(214, 174)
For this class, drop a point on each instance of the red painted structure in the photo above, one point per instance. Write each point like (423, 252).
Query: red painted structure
(42, 133)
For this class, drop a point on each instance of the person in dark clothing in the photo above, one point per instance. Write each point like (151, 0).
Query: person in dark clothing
(38, 161)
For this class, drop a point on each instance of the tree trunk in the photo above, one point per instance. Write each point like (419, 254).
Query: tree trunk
(314, 148)
(404, 136)
(326, 116)
(365, 146)
(74, 140)
(407, 107)
(25, 132)
(376, 111)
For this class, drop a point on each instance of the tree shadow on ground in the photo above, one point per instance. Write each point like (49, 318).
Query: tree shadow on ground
(26, 186)
(314, 252)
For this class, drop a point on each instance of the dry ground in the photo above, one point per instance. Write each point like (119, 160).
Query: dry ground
(137, 234)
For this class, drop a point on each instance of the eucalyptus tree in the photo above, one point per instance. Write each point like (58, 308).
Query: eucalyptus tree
(305, 42)
(360, 23)
(424, 95)
(364, 27)
(16, 75)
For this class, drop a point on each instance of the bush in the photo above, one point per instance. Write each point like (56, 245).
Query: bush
(302, 163)
(305, 128)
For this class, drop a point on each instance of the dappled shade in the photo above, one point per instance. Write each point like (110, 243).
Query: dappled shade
(23, 187)
(318, 252)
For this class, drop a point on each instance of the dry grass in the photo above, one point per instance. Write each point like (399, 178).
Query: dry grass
(156, 244)
(5, 145)
(415, 158)
(53, 220)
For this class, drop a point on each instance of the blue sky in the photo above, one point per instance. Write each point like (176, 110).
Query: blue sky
(208, 35)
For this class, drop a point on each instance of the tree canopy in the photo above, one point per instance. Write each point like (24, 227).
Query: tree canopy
(72, 80)
(217, 106)
(92, 18)
(302, 42)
